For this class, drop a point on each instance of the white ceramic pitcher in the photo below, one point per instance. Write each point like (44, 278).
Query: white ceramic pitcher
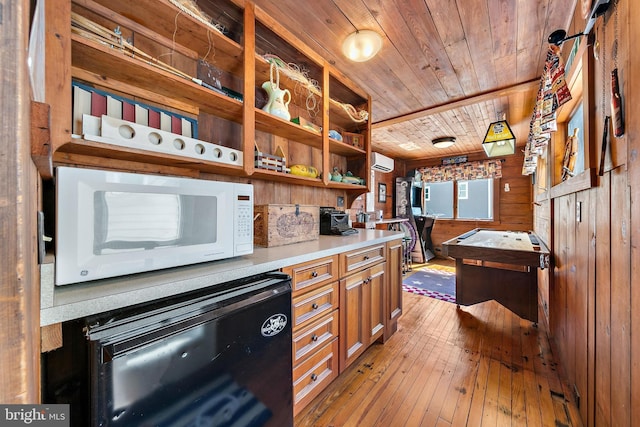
(277, 104)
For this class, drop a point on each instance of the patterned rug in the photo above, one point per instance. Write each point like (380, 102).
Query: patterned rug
(435, 281)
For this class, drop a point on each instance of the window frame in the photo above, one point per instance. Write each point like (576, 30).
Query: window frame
(460, 186)
(495, 201)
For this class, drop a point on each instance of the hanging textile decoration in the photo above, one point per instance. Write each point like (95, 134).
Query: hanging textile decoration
(466, 171)
(552, 93)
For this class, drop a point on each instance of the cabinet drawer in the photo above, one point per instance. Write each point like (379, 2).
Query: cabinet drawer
(313, 273)
(361, 258)
(314, 336)
(313, 375)
(313, 305)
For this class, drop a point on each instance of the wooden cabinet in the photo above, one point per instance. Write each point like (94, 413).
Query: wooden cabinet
(341, 305)
(315, 327)
(362, 297)
(174, 59)
(394, 287)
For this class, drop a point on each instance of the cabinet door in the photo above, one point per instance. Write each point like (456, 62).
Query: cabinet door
(394, 287)
(375, 289)
(353, 330)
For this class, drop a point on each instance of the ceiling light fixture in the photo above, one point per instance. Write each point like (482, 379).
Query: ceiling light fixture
(362, 45)
(444, 142)
(499, 140)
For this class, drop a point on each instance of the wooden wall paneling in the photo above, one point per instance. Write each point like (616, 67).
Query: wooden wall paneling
(620, 299)
(603, 307)
(571, 253)
(632, 109)
(220, 131)
(588, 399)
(557, 294)
(389, 180)
(581, 287)
(19, 278)
(542, 226)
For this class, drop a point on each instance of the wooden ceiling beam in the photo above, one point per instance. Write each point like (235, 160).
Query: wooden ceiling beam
(461, 102)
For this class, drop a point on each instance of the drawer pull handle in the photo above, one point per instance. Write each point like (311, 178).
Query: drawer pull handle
(314, 306)
(314, 377)
(314, 338)
(366, 257)
(314, 274)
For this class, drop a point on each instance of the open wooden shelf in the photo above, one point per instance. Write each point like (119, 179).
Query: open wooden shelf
(111, 63)
(286, 177)
(346, 186)
(343, 149)
(159, 27)
(114, 152)
(275, 125)
(168, 21)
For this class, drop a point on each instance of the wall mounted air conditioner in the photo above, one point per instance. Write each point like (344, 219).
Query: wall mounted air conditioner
(381, 163)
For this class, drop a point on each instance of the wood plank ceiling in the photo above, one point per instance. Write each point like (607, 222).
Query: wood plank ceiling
(446, 68)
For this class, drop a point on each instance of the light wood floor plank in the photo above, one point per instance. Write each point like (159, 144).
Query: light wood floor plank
(475, 366)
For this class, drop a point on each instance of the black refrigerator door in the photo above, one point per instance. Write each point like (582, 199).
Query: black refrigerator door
(223, 361)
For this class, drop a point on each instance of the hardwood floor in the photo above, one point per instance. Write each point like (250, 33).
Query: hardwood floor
(475, 366)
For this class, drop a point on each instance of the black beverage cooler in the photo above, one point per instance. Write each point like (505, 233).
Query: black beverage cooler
(217, 359)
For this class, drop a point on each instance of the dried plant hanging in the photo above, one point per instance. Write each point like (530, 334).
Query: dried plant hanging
(313, 90)
(191, 8)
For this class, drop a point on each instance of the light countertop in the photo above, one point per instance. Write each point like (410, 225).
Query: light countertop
(63, 303)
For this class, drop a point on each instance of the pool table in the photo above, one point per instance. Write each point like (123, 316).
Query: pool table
(499, 265)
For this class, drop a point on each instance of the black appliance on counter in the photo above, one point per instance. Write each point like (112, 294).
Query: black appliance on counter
(335, 222)
(221, 358)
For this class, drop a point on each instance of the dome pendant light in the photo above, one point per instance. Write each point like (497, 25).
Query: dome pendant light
(362, 45)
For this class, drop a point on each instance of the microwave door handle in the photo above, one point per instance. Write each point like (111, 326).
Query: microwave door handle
(146, 245)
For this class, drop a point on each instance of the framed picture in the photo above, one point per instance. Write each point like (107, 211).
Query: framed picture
(382, 193)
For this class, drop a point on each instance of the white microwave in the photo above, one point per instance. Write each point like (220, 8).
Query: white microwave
(115, 223)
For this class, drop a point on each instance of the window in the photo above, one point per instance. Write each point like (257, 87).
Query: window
(576, 123)
(477, 202)
(474, 199)
(440, 203)
(463, 190)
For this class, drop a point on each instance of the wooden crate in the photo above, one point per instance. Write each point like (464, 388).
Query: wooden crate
(355, 139)
(275, 162)
(270, 162)
(277, 225)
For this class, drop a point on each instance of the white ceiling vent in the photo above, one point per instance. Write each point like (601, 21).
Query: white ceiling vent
(381, 163)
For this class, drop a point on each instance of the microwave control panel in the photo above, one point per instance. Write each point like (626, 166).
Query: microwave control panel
(244, 217)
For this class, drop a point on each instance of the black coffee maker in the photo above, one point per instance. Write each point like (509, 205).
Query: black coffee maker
(334, 222)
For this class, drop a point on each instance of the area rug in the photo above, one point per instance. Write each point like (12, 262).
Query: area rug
(435, 281)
